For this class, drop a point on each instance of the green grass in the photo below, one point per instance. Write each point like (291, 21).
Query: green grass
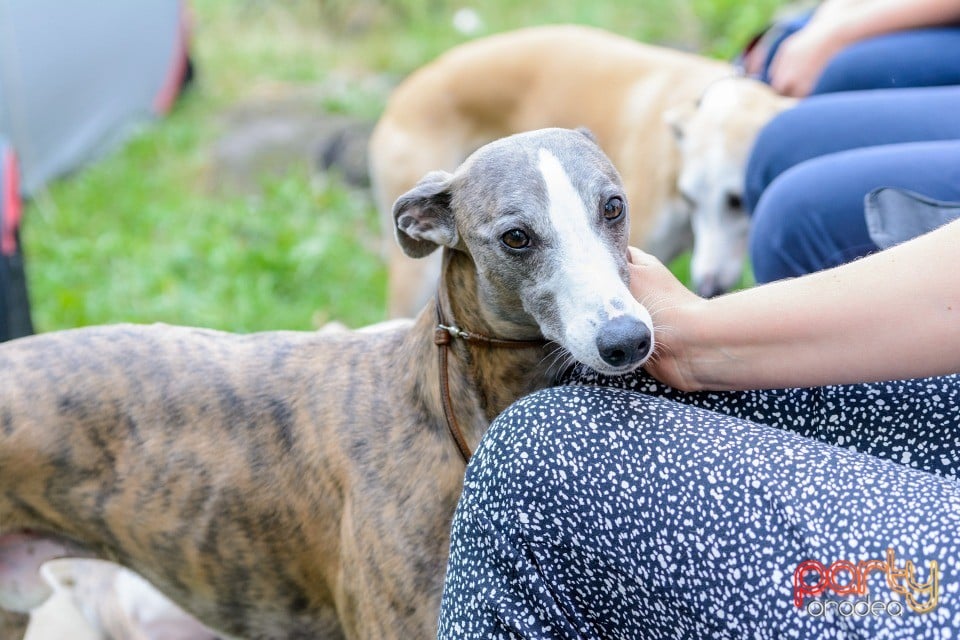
(142, 236)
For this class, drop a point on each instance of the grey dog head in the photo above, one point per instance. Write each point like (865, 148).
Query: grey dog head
(544, 218)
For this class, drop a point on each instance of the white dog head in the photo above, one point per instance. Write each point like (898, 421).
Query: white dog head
(715, 137)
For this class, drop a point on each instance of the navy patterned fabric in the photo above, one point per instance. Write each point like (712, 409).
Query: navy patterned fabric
(642, 512)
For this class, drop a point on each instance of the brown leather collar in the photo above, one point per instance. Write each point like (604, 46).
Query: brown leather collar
(443, 335)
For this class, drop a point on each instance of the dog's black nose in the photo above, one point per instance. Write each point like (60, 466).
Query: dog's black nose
(709, 288)
(623, 341)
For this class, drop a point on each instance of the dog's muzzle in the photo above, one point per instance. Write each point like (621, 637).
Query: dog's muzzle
(624, 341)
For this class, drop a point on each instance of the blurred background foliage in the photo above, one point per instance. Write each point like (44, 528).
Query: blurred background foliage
(152, 232)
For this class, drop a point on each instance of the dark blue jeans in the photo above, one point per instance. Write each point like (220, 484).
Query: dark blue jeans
(639, 512)
(884, 113)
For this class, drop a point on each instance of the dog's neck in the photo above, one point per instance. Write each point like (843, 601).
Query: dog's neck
(483, 380)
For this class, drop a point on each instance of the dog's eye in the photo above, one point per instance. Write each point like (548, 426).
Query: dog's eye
(516, 239)
(613, 208)
(734, 201)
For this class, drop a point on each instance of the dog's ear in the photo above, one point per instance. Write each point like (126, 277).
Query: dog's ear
(677, 118)
(423, 218)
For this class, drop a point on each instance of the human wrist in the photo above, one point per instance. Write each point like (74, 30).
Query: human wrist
(843, 32)
(688, 344)
(827, 36)
(713, 352)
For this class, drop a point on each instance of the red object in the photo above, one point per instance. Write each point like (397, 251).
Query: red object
(164, 100)
(12, 206)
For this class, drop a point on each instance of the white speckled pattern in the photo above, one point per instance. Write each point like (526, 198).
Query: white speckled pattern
(592, 512)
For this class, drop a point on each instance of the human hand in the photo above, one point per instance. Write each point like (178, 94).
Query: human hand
(672, 306)
(801, 58)
(755, 58)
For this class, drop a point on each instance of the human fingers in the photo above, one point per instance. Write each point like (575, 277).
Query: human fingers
(650, 277)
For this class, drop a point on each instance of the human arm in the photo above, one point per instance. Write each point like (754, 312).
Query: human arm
(891, 315)
(838, 23)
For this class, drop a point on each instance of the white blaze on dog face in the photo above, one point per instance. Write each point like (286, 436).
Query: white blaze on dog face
(544, 219)
(583, 279)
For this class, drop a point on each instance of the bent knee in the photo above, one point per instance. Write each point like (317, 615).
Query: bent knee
(558, 441)
(773, 152)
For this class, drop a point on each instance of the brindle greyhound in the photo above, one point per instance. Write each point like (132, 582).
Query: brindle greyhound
(297, 485)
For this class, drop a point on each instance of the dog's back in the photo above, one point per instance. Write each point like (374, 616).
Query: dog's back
(555, 76)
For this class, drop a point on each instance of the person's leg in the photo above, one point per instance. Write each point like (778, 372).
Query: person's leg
(838, 122)
(916, 58)
(600, 513)
(912, 422)
(812, 216)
